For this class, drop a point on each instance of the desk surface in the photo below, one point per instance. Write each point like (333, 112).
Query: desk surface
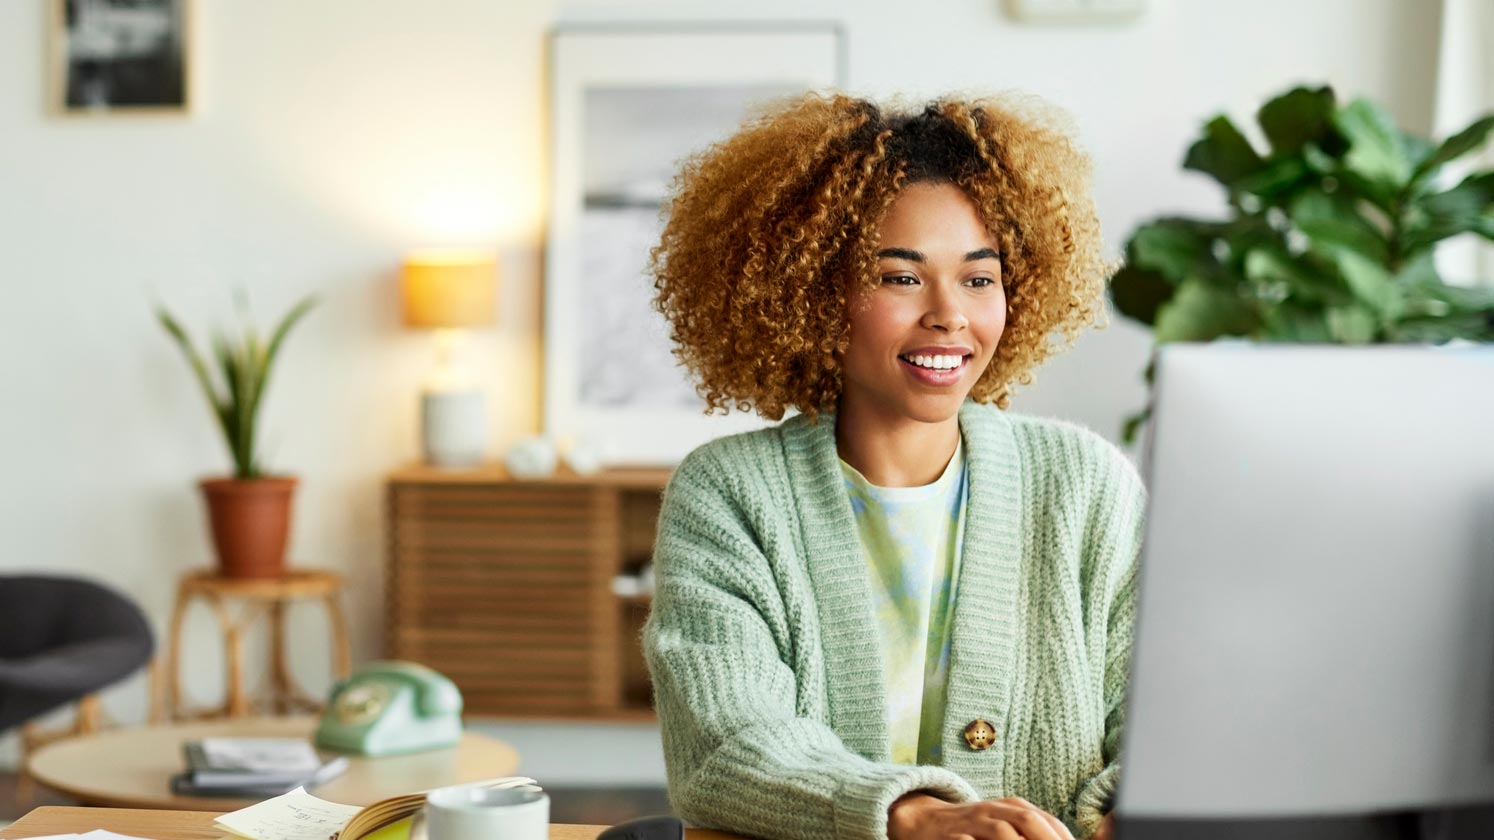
(198, 825)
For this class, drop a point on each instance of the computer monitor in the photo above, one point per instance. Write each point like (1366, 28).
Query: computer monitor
(1314, 648)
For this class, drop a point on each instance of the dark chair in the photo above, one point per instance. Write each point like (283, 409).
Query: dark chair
(61, 640)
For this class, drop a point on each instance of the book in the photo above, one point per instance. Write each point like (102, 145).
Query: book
(298, 815)
(253, 767)
(227, 785)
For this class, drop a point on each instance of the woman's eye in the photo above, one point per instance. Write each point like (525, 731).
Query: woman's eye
(981, 282)
(900, 279)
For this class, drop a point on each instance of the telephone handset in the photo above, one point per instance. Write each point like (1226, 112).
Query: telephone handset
(391, 707)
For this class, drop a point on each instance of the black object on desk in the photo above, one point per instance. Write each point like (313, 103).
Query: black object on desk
(646, 828)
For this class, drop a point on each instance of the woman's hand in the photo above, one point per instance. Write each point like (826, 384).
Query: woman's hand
(919, 816)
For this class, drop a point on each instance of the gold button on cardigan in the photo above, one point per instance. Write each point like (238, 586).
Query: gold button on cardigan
(980, 735)
(762, 641)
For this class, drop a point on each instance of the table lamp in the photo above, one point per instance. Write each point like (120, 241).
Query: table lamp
(451, 291)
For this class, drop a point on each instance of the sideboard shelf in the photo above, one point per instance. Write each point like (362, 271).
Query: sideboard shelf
(506, 586)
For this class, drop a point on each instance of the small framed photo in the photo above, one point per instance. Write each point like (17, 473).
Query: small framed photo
(121, 56)
(627, 106)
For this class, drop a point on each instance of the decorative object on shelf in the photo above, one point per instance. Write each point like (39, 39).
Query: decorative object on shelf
(638, 585)
(1330, 236)
(388, 708)
(532, 457)
(250, 512)
(626, 105)
(584, 458)
(121, 58)
(451, 291)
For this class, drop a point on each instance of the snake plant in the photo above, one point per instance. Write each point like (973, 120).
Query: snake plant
(244, 364)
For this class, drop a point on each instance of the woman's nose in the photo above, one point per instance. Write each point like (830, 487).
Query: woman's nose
(944, 313)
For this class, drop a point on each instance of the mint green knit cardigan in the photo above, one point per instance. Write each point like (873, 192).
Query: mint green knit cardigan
(763, 646)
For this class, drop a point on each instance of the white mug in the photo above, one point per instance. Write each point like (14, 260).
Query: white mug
(479, 813)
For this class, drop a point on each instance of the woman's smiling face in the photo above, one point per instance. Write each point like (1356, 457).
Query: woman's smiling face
(923, 336)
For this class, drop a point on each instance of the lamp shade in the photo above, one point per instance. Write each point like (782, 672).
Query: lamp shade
(449, 288)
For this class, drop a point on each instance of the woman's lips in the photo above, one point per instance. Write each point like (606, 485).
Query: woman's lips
(930, 376)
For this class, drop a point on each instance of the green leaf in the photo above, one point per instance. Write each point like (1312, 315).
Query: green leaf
(1138, 293)
(229, 413)
(1377, 151)
(217, 402)
(1133, 425)
(1280, 178)
(1224, 153)
(277, 338)
(1454, 147)
(1470, 326)
(1298, 117)
(1372, 285)
(265, 355)
(1351, 324)
(1292, 322)
(245, 404)
(1352, 186)
(1174, 248)
(1424, 287)
(1418, 150)
(1466, 208)
(1332, 223)
(1298, 276)
(1319, 160)
(1201, 311)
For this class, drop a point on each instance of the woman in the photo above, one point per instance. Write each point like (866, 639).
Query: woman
(903, 612)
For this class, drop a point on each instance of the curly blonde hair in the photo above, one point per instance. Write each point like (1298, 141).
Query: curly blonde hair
(772, 232)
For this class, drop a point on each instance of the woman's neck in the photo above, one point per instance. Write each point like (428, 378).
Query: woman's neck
(894, 451)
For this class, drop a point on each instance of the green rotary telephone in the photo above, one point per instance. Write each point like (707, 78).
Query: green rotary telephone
(391, 707)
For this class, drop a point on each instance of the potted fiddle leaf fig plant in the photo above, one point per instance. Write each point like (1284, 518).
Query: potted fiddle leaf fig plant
(250, 511)
(1329, 238)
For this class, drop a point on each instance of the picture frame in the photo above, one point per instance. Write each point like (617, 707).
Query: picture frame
(121, 57)
(627, 104)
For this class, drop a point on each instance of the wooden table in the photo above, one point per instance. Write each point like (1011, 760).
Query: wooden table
(198, 825)
(132, 768)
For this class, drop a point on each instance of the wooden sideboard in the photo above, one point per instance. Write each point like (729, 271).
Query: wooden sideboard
(506, 586)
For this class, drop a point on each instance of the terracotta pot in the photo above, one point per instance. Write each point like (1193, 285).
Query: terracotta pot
(250, 518)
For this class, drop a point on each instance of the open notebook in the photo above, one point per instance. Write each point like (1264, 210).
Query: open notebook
(300, 816)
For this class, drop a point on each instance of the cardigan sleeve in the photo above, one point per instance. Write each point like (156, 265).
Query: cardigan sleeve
(1119, 548)
(738, 755)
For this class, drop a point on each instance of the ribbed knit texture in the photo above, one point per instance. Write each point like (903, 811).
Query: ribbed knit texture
(763, 644)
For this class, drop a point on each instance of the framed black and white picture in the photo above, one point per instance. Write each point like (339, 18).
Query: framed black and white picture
(627, 105)
(121, 56)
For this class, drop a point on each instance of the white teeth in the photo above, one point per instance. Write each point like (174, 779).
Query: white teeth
(936, 362)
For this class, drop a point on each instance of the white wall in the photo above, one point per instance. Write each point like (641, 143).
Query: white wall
(332, 136)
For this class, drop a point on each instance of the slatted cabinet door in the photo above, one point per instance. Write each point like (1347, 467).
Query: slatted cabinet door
(506, 587)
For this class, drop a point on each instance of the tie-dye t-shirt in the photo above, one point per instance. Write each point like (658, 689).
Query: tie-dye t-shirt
(911, 538)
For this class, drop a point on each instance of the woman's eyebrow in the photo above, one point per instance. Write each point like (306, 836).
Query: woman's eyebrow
(903, 254)
(918, 257)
